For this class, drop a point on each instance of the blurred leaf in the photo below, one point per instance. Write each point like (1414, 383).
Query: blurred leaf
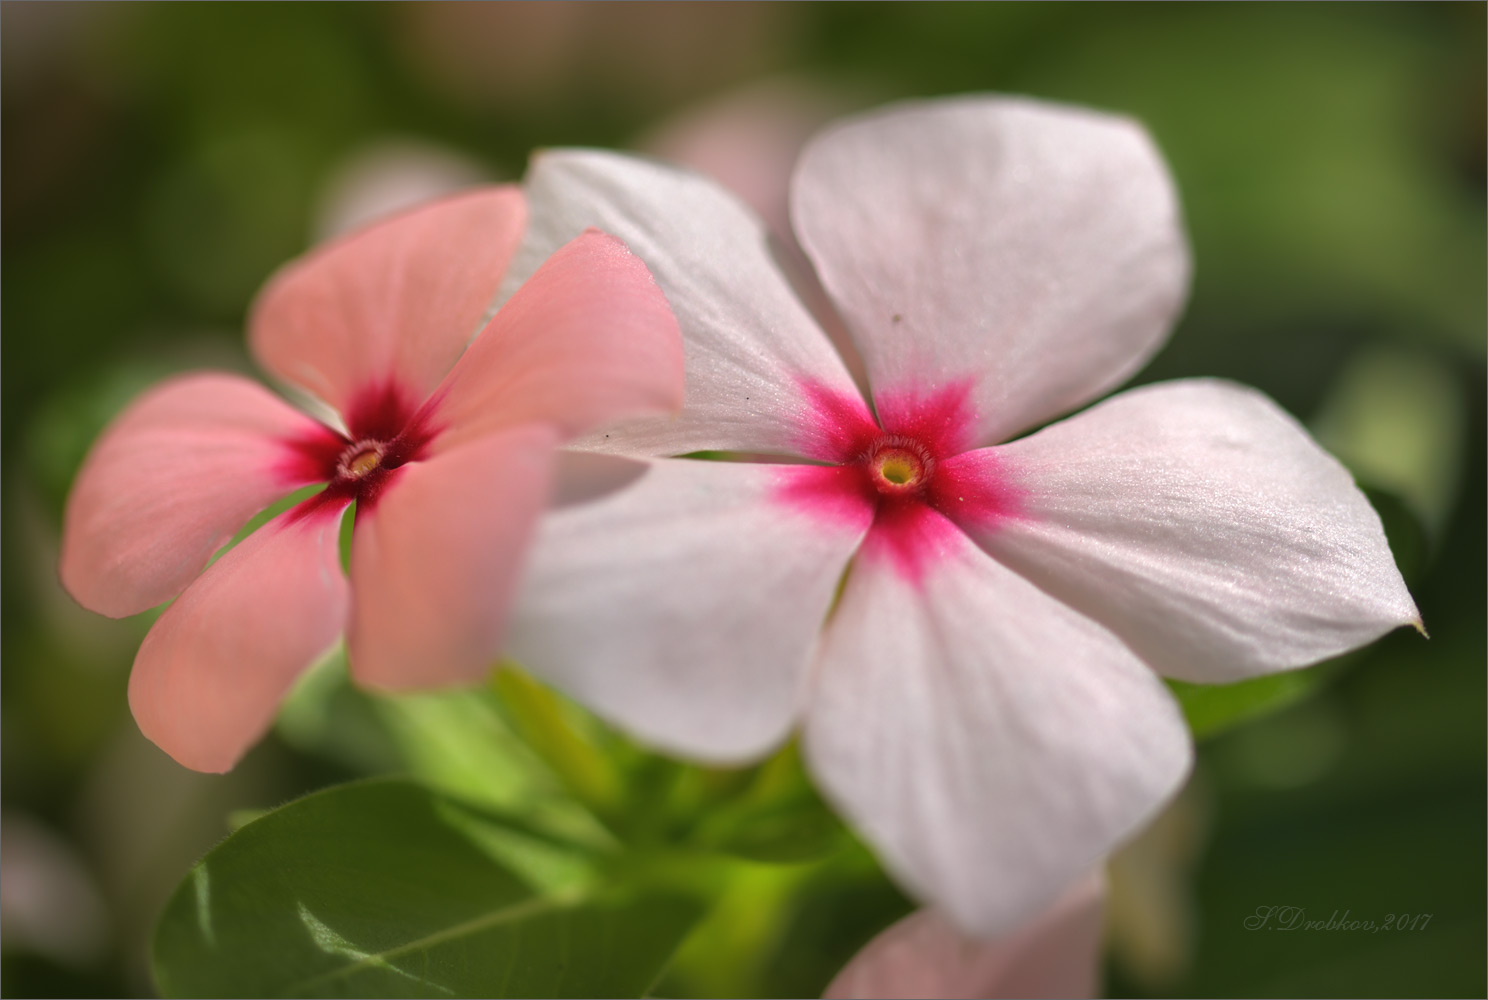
(384, 888)
(1396, 417)
(779, 818)
(780, 930)
(559, 733)
(454, 741)
(327, 717)
(793, 831)
(457, 741)
(1213, 708)
(722, 955)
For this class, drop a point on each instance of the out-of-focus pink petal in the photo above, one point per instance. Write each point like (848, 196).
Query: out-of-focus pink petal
(213, 669)
(748, 140)
(989, 742)
(589, 339)
(685, 606)
(749, 342)
(1203, 526)
(389, 176)
(435, 559)
(1033, 247)
(1055, 955)
(585, 476)
(394, 303)
(173, 479)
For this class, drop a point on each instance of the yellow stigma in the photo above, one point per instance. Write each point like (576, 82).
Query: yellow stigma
(364, 463)
(898, 469)
(366, 458)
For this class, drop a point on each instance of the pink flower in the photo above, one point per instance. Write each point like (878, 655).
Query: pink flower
(448, 463)
(1056, 954)
(970, 633)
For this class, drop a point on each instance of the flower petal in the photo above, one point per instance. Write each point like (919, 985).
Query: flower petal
(1056, 954)
(170, 482)
(395, 303)
(749, 342)
(212, 671)
(1035, 248)
(1202, 525)
(748, 139)
(586, 340)
(685, 606)
(435, 560)
(989, 743)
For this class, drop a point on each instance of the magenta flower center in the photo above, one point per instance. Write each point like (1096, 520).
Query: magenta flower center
(387, 430)
(910, 473)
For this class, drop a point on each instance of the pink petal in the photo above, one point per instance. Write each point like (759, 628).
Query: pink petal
(587, 340)
(212, 671)
(388, 176)
(1037, 248)
(434, 562)
(395, 303)
(1206, 529)
(748, 139)
(988, 742)
(685, 607)
(1202, 525)
(749, 342)
(584, 476)
(1056, 954)
(173, 479)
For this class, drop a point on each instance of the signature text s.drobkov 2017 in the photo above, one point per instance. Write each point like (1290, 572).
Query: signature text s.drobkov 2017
(1295, 918)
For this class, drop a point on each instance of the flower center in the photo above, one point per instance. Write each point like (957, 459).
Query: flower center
(360, 459)
(898, 465)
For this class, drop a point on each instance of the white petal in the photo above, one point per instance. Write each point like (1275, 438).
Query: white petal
(1201, 524)
(684, 607)
(748, 340)
(987, 741)
(1056, 954)
(1034, 249)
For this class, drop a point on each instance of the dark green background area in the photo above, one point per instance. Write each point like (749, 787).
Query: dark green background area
(159, 161)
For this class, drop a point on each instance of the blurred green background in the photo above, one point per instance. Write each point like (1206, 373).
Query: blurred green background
(160, 160)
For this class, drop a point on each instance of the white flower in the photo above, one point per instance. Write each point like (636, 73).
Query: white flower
(982, 698)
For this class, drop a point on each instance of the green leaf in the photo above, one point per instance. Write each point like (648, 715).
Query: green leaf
(1213, 708)
(791, 832)
(454, 741)
(564, 737)
(1397, 418)
(780, 817)
(385, 888)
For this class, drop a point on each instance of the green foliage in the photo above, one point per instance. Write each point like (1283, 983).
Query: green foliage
(537, 811)
(1214, 708)
(383, 888)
